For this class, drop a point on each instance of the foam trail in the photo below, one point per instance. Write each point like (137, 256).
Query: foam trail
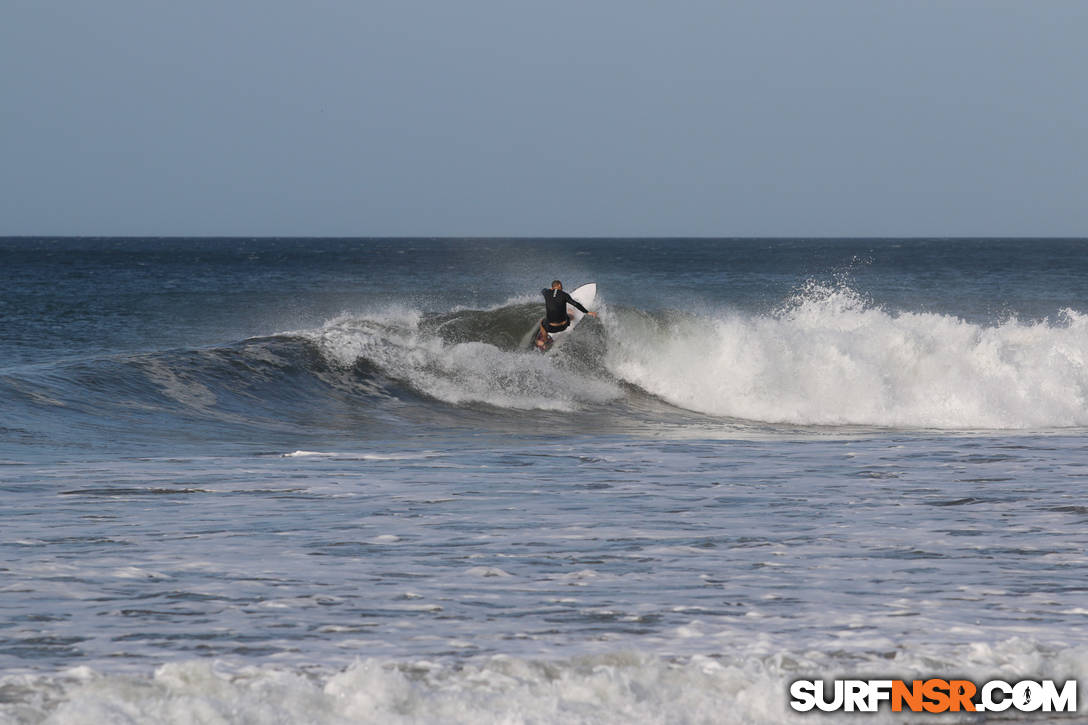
(829, 358)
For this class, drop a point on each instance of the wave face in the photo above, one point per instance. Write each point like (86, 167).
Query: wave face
(378, 374)
(466, 358)
(829, 358)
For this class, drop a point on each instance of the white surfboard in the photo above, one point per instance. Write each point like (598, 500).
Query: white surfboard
(586, 295)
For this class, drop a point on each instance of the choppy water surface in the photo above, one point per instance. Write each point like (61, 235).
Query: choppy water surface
(766, 461)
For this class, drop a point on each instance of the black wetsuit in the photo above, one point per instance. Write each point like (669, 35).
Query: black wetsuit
(555, 303)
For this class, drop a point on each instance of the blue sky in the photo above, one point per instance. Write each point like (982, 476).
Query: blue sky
(595, 117)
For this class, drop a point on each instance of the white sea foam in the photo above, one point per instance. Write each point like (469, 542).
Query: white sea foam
(457, 373)
(349, 456)
(623, 687)
(831, 359)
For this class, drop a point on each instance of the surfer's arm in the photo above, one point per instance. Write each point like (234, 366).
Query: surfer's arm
(583, 309)
(575, 303)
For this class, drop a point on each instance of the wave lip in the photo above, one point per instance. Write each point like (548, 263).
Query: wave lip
(831, 359)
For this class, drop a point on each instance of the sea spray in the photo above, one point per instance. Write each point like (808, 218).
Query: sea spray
(830, 358)
(459, 372)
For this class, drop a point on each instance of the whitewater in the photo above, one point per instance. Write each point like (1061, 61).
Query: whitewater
(327, 481)
(827, 358)
(830, 359)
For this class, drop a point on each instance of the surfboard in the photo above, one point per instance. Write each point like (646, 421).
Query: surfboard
(586, 295)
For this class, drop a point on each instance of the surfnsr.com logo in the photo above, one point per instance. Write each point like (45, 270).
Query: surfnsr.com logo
(933, 695)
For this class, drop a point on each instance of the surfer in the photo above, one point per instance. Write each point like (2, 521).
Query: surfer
(556, 318)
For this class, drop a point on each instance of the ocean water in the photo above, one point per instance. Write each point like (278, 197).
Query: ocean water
(326, 481)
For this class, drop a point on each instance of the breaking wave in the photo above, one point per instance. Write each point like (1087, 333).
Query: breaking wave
(829, 358)
(826, 357)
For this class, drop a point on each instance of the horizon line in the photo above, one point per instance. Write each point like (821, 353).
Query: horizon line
(429, 237)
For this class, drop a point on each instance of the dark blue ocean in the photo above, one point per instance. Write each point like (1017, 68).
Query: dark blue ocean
(328, 481)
